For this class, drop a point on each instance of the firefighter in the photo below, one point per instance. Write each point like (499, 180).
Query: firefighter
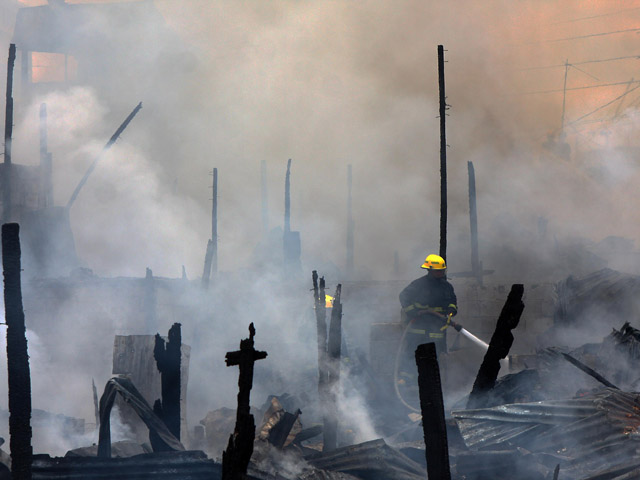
(427, 304)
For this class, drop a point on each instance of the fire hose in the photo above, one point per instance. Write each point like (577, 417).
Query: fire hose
(459, 328)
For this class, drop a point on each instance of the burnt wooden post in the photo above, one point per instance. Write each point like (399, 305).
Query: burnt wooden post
(443, 155)
(235, 459)
(96, 407)
(330, 432)
(206, 273)
(263, 193)
(476, 266)
(432, 407)
(350, 224)
(8, 132)
(499, 346)
(149, 301)
(319, 296)
(168, 359)
(214, 223)
(45, 198)
(321, 329)
(211, 257)
(287, 200)
(17, 357)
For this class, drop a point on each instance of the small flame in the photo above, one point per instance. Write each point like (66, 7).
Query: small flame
(328, 301)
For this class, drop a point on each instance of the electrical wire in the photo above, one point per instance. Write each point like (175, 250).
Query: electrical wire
(596, 16)
(581, 88)
(584, 62)
(590, 35)
(603, 106)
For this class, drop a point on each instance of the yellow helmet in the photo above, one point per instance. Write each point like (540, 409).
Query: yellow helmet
(434, 262)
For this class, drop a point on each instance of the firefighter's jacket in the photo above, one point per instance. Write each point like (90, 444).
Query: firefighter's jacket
(424, 294)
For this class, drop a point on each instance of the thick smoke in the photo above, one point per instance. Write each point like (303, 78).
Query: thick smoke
(230, 84)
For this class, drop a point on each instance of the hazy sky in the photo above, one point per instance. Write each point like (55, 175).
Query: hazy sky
(337, 82)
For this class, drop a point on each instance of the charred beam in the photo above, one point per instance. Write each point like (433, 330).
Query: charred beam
(235, 459)
(280, 432)
(588, 370)
(19, 375)
(432, 407)
(168, 359)
(108, 145)
(499, 346)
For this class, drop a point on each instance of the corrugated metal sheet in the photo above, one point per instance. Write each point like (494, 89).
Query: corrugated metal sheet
(596, 436)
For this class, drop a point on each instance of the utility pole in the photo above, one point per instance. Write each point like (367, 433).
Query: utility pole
(564, 94)
(265, 206)
(443, 156)
(8, 132)
(350, 224)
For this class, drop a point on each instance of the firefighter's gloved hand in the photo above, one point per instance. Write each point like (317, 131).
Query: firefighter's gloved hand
(452, 311)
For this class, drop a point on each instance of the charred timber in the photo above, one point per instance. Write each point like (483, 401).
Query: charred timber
(432, 407)
(17, 357)
(168, 359)
(235, 459)
(499, 347)
(330, 434)
(588, 370)
(280, 432)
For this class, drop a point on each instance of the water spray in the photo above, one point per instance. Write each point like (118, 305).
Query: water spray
(459, 328)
